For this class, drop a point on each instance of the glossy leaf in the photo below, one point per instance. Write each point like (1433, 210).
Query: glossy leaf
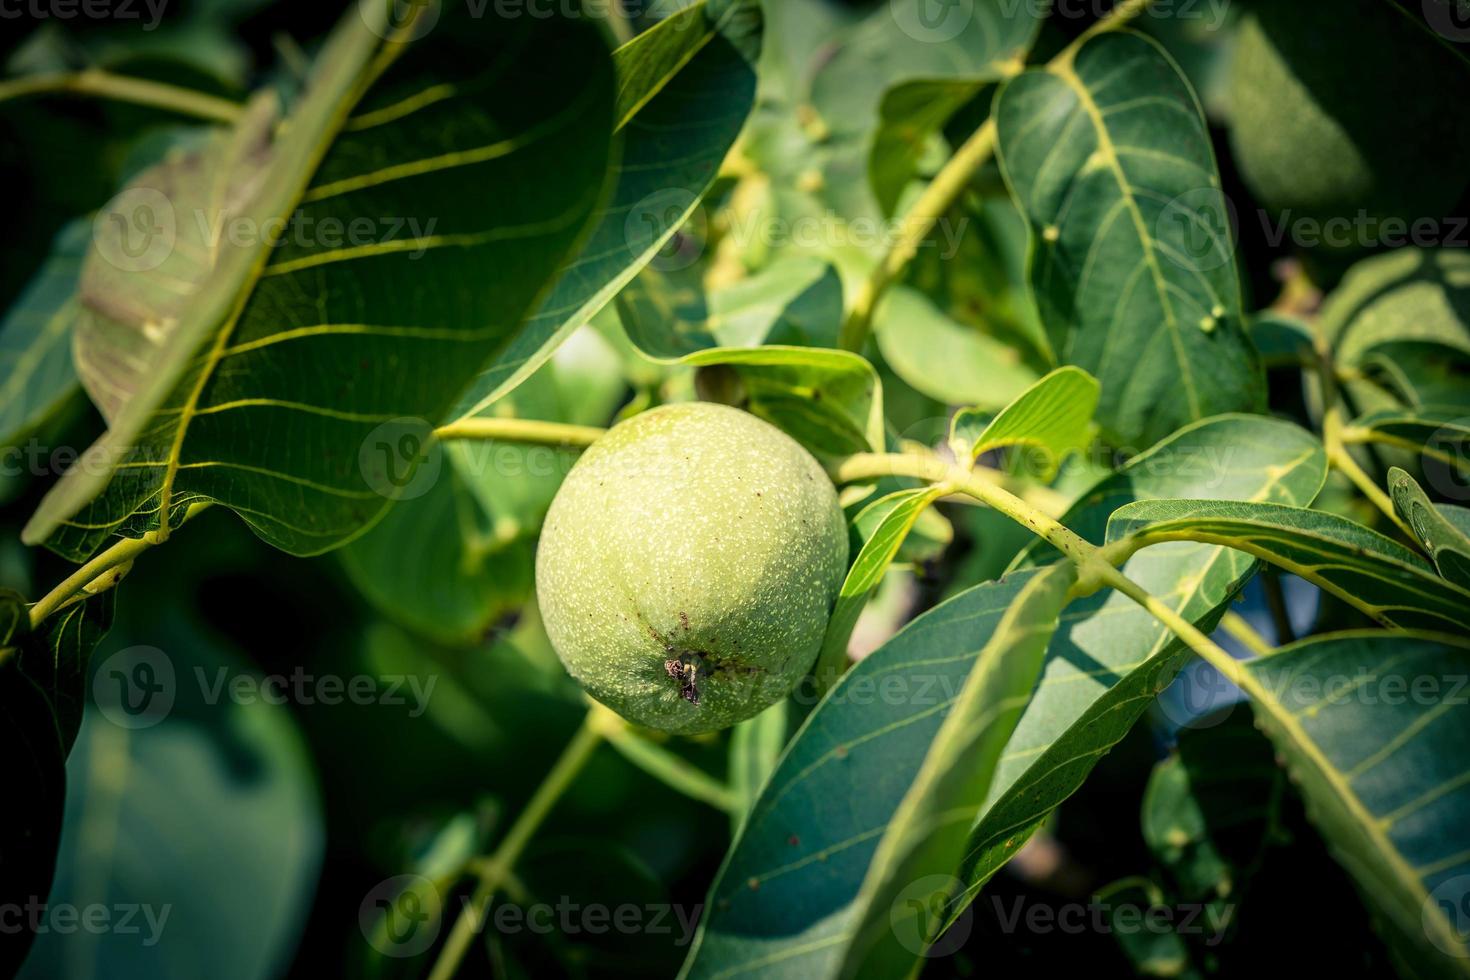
(35, 339)
(1442, 529)
(1363, 721)
(296, 361)
(927, 833)
(1368, 571)
(1133, 258)
(685, 87)
(883, 526)
(1110, 658)
(1053, 417)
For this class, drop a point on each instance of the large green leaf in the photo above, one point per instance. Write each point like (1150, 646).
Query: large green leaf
(685, 87)
(1053, 417)
(35, 339)
(300, 355)
(926, 835)
(1421, 373)
(785, 901)
(1133, 261)
(203, 817)
(1368, 724)
(1442, 529)
(1110, 657)
(1374, 574)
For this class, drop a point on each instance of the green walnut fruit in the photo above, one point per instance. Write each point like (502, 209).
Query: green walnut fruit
(688, 566)
(1347, 111)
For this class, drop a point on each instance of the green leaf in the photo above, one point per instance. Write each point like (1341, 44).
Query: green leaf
(1133, 258)
(1370, 572)
(1443, 529)
(1407, 295)
(296, 361)
(950, 361)
(1053, 416)
(1365, 722)
(1420, 372)
(149, 809)
(786, 900)
(35, 339)
(927, 833)
(1110, 657)
(882, 525)
(685, 88)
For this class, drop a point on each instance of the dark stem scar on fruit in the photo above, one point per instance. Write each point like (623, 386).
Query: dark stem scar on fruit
(685, 665)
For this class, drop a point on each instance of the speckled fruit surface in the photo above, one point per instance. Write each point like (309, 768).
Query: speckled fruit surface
(688, 566)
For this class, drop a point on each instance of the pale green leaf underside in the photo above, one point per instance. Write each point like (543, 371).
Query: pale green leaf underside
(292, 358)
(1133, 260)
(1379, 775)
(1373, 573)
(1053, 416)
(685, 88)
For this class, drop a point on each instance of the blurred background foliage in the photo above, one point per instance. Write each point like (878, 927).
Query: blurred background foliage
(267, 827)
